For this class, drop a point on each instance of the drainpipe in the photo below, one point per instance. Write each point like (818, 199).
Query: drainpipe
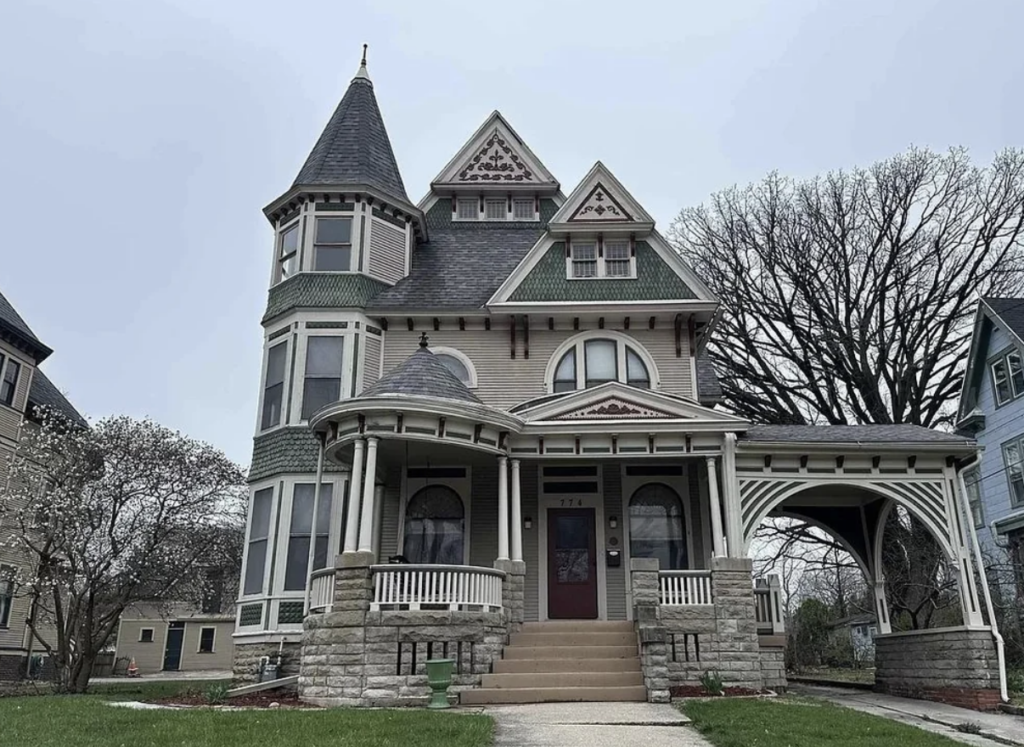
(965, 510)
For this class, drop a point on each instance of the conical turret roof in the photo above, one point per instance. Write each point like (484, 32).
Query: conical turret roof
(354, 148)
(421, 375)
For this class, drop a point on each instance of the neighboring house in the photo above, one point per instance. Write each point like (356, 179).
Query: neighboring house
(504, 388)
(174, 637)
(992, 411)
(23, 389)
(860, 631)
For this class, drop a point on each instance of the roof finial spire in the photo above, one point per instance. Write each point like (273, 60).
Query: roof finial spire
(424, 340)
(361, 74)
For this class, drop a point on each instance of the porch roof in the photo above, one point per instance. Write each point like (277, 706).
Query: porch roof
(899, 434)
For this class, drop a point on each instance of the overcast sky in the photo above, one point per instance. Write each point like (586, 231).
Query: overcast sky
(139, 140)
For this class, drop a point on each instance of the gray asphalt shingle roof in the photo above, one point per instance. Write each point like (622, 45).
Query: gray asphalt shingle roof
(43, 393)
(460, 268)
(708, 386)
(13, 319)
(421, 374)
(1011, 311)
(850, 434)
(354, 147)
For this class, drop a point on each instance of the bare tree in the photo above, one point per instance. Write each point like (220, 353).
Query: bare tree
(123, 512)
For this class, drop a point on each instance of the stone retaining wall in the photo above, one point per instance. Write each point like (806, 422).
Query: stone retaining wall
(957, 666)
(247, 657)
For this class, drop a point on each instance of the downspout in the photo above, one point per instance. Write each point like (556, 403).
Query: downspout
(965, 509)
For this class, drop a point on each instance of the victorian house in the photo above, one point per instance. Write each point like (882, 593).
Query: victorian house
(487, 431)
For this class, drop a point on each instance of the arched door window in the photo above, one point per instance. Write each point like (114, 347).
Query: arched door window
(435, 527)
(656, 526)
(593, 362)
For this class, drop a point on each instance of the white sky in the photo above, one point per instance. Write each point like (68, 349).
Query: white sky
(140, 139)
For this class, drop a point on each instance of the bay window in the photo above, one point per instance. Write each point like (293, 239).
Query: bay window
(259, 533)
(300, 531)
(332, 245)
(273, 386)
(322, 384)
(287, 253)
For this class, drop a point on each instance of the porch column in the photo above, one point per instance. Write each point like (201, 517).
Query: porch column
(355, 491)
(881, 606)
(378, 519)
(369, 485)
(716, 509)
(503, 508)
(969, 594)
(517, 514)
(311, 559)
(731, 498)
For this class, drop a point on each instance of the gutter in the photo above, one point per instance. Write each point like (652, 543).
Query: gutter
(1000, 646)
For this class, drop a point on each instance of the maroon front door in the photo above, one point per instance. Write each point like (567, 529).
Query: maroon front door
(572, 564)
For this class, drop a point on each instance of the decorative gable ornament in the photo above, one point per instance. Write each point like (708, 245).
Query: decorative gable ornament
(600, 205)
(497, 161)
(614, 408)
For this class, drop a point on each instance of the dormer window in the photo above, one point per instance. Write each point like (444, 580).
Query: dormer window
(287, 252)
(467, 209)
(524, 210)
(332, 249)
(611, 258)
(495, 210)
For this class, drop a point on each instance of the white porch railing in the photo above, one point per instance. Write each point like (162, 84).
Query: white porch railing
(321, 591)
(768, 599)
(453, 587)
(685, 588)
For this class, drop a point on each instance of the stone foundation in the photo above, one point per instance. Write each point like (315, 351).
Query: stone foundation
(246, 663)
(773, 662)
(957, 666)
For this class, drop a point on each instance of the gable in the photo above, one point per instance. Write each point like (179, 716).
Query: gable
(547, 281)
(991, 336)
(617, 408)
(600, 205)
(601, 199)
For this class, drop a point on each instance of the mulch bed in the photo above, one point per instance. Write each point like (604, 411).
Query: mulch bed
(696, 691)
(283, 698)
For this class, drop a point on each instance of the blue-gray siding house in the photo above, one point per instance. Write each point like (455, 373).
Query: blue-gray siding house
(992, 409)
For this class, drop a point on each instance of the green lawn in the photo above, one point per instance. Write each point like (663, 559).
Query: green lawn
(800, 722)
(86, 721)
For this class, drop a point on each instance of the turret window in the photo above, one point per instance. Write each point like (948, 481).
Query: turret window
(9, 383)
(323, 373)
(332, 249)
(273, 387)
(287, 252)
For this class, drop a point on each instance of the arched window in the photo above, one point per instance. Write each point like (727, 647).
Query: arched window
(434, 527)
(656, 526)
(457, 363)
(592, 362)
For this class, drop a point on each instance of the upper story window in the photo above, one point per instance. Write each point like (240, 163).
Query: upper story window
(332, 247)
(524, 209)
(273, 386)
(1013, 458)
(467, 209)
(592, 362)
(9, 380)
(1007, 377)
(495, 209)
(322, 384)
(287, 253)
(457, 363)
(611, 258)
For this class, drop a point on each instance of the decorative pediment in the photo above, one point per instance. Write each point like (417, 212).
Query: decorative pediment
(600, 205)
(614, 408)
(496, 156)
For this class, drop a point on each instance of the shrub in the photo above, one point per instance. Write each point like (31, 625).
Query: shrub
(712, 683)
(217, 693)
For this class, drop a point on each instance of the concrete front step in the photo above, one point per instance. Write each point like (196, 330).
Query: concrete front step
(573, 639)
(580, 652)
(522, 666)
(485, 696)
(562, 679)
(579, 626)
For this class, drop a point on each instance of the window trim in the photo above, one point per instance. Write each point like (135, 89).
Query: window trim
(350, 243)
(459, 202)
(6, 361)
(345, 344)
(283, 419)
(297, 254)
(1017, 441)
(327, 486)
(532, 201)
(213, 640)
(462, 358)
(622, 341)
(142, 635)
(503, 201)
(272, 529)
(602, 262)
(1002, 359)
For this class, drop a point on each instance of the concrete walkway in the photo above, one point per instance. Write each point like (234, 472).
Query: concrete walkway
(592, 725)
(995, 728)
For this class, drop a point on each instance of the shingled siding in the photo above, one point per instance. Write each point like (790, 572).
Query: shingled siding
(504, 382)
(440, 216)
(387, 251)
(286, 451)
(321, 290)
(655, 281)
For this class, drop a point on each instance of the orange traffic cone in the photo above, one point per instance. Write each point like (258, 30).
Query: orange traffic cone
(133, 670)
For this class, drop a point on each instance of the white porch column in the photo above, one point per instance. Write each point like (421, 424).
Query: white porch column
(517, 514)
(355, 492)
(313, 526)
(717, 542)
(502, 508)
(731, 498)
(881, 606)
(378, 519)
(369, 480)
(970, 596)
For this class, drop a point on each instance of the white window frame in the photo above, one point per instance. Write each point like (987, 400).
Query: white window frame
(213, 642)
(463, 486)
(285, 538)
(271, 534)
(1002, 361)
(1014, 468)
(284, 419)
(351, 243)
(348, 366)
(5, 363)
(622, 340)
(602, 262)
(152, 635)
(460, 201)
(462, 358)
(279, 240)
(489, 201)
(532, 202)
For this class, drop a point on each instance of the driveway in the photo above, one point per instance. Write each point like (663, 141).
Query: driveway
(593, 725)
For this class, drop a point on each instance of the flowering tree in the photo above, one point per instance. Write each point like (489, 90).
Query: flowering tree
(123, 512)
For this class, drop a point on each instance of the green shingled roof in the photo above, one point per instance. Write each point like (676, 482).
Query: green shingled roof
(322, 290)
(286, 451)
(655, 281)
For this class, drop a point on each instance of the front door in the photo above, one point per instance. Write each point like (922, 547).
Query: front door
(572, 564)
(172, 652)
